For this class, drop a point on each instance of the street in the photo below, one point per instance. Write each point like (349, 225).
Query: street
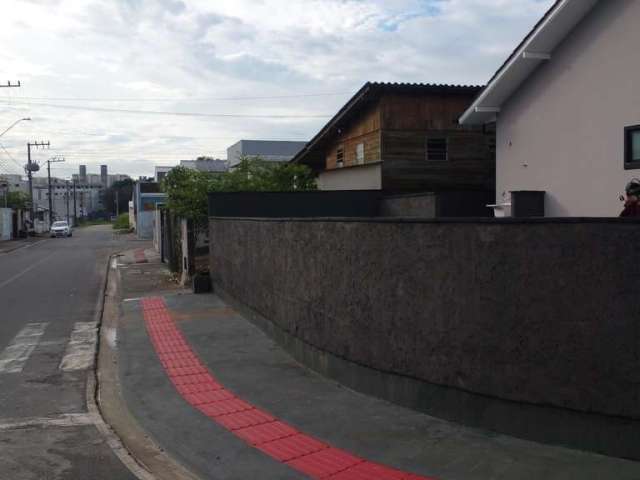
(49, 294)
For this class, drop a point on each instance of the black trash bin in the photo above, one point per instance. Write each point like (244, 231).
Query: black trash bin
(527, 204)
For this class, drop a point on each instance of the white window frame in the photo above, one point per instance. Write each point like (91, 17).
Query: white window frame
(360, 153)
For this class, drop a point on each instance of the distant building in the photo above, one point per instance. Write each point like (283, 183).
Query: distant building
(270, 151)
(15, 183)
(147, 197)
(104, 176)
(83, 174)
(161, 172)
(206, 165)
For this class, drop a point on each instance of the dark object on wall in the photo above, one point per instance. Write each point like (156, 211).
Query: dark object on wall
(527, 204)
(201, 283)
(346, 203)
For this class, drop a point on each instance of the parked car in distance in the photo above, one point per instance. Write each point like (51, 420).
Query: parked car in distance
(61, 229)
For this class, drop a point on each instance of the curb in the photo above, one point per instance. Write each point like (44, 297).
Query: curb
(129, 442)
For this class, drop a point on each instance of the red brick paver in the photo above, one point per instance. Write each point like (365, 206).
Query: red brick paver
(139, 256)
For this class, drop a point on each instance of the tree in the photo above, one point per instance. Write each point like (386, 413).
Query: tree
(187, 190)
(123, 191)
(17, 200)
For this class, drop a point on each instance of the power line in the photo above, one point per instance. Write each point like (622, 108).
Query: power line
(11, 85)
(183, 99)
(76, 133)
(159, 112)
(11, 157)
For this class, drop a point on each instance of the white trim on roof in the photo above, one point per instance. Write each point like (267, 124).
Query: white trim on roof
(536, 49)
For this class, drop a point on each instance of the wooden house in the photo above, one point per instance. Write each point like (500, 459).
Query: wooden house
(403, 138)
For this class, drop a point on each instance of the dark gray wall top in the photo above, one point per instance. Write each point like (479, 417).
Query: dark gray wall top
(356, 203)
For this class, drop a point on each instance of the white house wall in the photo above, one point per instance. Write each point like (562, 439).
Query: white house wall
(6, 223)
(563, 131)
(368, 177)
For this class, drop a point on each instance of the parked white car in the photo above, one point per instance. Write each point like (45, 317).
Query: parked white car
(61, 229)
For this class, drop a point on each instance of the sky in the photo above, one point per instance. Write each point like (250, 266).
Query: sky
(138, 83)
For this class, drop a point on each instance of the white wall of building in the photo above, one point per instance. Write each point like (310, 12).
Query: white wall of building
(6, 218)
(367, 177)
(563, 131)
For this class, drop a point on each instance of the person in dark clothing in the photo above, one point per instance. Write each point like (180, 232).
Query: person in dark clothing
(632, 203)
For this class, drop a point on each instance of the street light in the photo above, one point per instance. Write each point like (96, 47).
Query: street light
(14, 124)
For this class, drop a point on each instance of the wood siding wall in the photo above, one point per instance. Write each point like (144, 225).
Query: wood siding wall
(367, 131)
(407, 122)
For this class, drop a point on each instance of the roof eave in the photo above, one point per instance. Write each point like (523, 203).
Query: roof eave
(534, 50)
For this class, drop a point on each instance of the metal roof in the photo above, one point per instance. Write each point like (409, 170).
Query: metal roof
(536, 48)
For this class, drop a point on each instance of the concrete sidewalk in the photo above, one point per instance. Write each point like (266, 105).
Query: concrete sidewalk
(167, 335)
(8, 246)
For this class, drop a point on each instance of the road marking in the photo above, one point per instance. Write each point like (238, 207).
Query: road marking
(81, 349)
(64, 420)
(26, 270)
(14, 357)
(111, 336)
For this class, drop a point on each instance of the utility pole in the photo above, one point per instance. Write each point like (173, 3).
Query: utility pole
(49, 162)
(67, 195)
(82, 215)
(11, 85)
(117, 203)
(75, 206)
(33, 167)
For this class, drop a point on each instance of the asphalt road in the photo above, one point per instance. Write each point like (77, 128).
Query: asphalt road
(49, 294)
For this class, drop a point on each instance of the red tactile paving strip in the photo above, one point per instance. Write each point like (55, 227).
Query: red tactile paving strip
(256, 427)
(139, 256)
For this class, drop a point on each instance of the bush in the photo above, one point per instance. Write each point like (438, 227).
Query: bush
(122, 222)
(187, 190)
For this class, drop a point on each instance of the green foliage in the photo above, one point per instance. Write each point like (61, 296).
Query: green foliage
(121, 190)
(256, 175)
(187, 192)
(122, 222)
(16, 200)
(187, 189)
(91, 223)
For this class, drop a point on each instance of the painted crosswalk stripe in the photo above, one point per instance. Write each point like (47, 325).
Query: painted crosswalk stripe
(14, 357)
(81, 349)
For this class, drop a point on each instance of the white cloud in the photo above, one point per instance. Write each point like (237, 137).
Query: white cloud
(191, 50)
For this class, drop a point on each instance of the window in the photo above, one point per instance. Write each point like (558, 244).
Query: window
(360, 154)
(632, 147)
(437, 149)
(340, 156)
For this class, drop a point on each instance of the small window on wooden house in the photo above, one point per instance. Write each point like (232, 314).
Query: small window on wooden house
(360, 154)
(437, 150)
(632, 148)
(340, 156)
